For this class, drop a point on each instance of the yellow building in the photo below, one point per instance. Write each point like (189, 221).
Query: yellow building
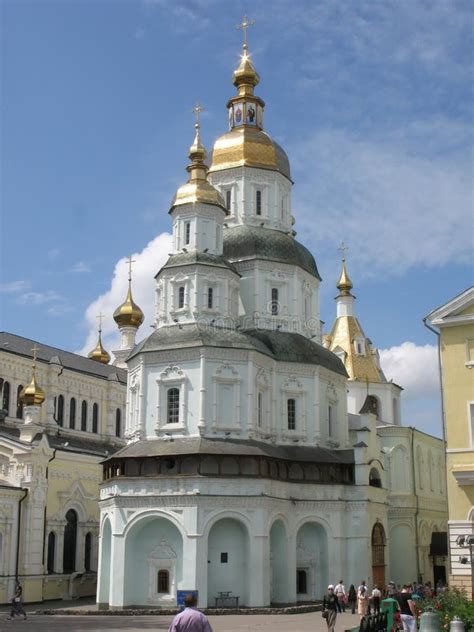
(454, 323)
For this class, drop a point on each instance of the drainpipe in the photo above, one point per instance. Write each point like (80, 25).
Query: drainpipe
(413, 469)
(46, 504)
(17, 562)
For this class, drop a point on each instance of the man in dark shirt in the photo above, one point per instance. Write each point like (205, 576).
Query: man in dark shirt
(407, 609)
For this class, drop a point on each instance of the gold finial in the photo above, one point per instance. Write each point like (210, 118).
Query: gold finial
(128, 314)
(32, 395)
(197, 151)
(99, 354)
(244, 25)
(344, 285)
(197, 109)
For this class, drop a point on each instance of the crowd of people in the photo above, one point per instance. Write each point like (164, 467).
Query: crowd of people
(338, 599)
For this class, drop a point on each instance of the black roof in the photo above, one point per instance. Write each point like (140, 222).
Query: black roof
(254, 242)
(17, 345)
(279, 345)
(235, 447)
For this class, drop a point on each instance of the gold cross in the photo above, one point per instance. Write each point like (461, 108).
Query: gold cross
(342, 248)
(244, 26)
(130, 261)
(197, 109)
(35, 350)
(100, 316)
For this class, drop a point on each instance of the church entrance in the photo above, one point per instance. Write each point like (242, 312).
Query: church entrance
(378, 555)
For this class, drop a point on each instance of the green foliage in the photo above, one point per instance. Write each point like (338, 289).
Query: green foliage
(449, 604)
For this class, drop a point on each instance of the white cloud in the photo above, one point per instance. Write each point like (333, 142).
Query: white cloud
(413, 367)
(38, 298)
(147, 263)
(80, 267)
(14, 286)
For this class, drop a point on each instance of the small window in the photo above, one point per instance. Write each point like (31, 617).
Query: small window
(19, 405)
(84, 415)
(301, 582)
(6, 397)
(259, 409)
(374, 478)
(60, 410)
(224, 558)
(118, 423)
(51, 552)
(210, 298)
(180, 297)
(330, 420)
(88, 551)
(258, 202)
(274, 302)
(95, 418)
(72, 413)
(187, 233)
(291, 408)
(163, 582)
(228, 199)
(173, 406)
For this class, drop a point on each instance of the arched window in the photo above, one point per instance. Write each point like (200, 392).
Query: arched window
(95, 418)
(228, 199)
(6, 397)
(374, 405)
(88, 551)
(118, 423)
(19, 405)
(84, 415)
(258, 202)
(210, 297)
(70, 541)
(374, 478)
(291, 408)
(51, 552)
(180, 297)
(173, 405)
(378, 554)
(187, 233)
(163, 583)
(60, 410)
(274, 301)
(72, 413)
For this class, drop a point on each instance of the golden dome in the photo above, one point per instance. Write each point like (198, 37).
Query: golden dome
(99, 354)
(128, 314)
(32, 395)
(245, 76)
(197, 188)
(250, 147)
(344, 285)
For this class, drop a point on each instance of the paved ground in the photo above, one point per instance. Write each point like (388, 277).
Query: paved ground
(310, 622)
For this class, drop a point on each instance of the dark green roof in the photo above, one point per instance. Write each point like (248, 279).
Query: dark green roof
(279, 345)
(254, 242)
(202, 258)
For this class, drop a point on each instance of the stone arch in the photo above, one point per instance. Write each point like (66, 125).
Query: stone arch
(228, 563)
(279, 575)
(375, 479)
(378, 544)
(105, 545)
(153, 513)
(312, 560)
(153, 543)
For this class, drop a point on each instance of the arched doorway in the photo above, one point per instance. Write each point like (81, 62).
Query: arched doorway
(279, 589)
(378, 555)
(153, 552)
(227, 561)
(70, 542)
(312, 572)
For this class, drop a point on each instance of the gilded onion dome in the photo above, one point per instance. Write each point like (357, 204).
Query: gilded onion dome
(128, 314)
(99, 354)
(344, 285)
(246, 144)
(33, 394)
(197, 189)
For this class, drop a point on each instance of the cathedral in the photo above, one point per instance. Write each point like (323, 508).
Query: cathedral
(263, 460)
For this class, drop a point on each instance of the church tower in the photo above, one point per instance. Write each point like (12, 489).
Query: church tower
(128, 317)
(367, 383)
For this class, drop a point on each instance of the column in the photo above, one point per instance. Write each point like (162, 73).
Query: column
(202, 394)
(292, 598)
(117, 571)
(259, 571)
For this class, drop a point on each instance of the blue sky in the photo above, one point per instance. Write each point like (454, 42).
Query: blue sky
(372, 101)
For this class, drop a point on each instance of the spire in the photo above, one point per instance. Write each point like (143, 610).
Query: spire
(99, 354)
(197, 189)
(344, 285)
(245, 75)
(128, 314)
(33, 394)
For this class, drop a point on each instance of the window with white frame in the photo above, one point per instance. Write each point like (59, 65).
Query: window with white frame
(470, 352)
(359, 344)
(210, 298)
(291, 413)
(274, 303)
(187, 233)
(172, 396)
(172, 414)
(181, 295)
(228, 199)
(259, 409)
(258, 202)
(331, 420)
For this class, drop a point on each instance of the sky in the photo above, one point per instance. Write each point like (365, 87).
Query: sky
(371, 99)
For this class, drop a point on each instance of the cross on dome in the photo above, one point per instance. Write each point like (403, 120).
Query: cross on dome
(100, 316)
(343, 248)
(130, 261)
(244, 25)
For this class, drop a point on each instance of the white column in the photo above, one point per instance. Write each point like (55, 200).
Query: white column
(202, 394)
(117, 571)
(291, 597)
(259, 571)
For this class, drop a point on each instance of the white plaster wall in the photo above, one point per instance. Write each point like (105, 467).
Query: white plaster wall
(206, 222)
(386, 392)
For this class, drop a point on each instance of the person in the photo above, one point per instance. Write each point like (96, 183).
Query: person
(362, 600)
(376, 597)
(407, 609)
(352, 598)
(17, 603)
(340, 591)
(190, 620)
(391, 589)
(330, 607)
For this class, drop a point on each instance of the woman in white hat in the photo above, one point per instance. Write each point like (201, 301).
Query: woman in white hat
(330, 608)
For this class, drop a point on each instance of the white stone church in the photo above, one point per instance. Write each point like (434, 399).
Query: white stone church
(261, 464)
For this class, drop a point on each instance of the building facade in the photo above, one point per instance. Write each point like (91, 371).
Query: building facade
(454, 322)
